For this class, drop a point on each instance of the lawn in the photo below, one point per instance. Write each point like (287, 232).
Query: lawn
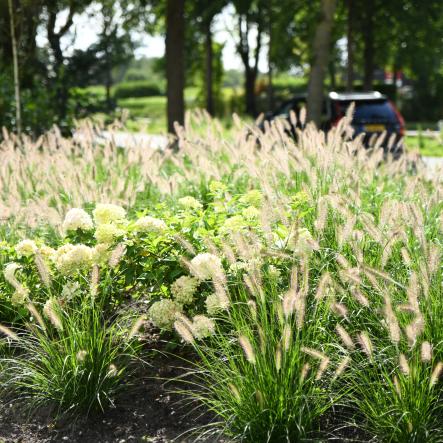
(277, 291)
(426, 145)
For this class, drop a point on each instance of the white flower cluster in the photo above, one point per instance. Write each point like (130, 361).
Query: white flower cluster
(163, 313)
(273, 271)
(47, 252)
(20, 296)
(101, 253)
(205, 266)
(301, 242)
(233, 224)
(238, 266)
(202, 326)
(217, 187)
(108, 233)
(215, 305)
(183, 289)
(108, 213)
(253, 197)
(77, 218)
(150, 224)
(251, 213)
(26, 248)
(189, 202)
(72, 258)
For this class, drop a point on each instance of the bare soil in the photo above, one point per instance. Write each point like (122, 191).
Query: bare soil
(147, 412)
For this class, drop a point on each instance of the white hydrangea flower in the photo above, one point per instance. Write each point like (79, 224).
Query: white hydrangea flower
(47, 252)
(233, 224)
(20, 296)
(254, 197)
(238, 266)
(205, 266)
(77, 218)
(107, 213)
(70, 290)
(163, 313)
(101, 253)
(251, 213)
(107, 233)
(217, 187)
(202, 326)
(184, 289)
(301, 241)
(150, 224)
(26, 248)
(214, 305)
(189, 202)
(70, 258)
(273, 271)
(62, 250)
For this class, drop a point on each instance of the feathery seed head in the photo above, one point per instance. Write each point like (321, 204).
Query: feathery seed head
(247, 349)
(426, 352)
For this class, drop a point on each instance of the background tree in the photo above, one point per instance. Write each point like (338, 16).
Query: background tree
(321, 52)
(16, 72)
(250, 17)
(175, 68)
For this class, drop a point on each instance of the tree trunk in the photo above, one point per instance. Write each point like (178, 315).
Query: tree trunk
(108, 84)
(368, 52)
(209, 69)
(270, 64)
(251, 72)
(61, 86)
(18, 115)
(332, 74)
(250, 78)
(321, 52)
(350, 46)
(270, 88)
(175, 76)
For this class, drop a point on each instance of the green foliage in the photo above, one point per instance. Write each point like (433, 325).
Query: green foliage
(263, 256)
(76, 362)
(137, 89)
(272, 389)
(38, 113)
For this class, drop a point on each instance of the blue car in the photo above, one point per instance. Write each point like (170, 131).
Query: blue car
(374, 114)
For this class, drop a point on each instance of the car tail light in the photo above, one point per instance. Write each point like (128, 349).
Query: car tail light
(400, 118)
(338, 114)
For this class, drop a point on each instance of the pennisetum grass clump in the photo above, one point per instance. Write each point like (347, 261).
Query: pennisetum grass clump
(260, 373)
(330, 295)
(70, 358)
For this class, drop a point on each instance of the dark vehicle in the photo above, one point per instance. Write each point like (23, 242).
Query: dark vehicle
(374, 114)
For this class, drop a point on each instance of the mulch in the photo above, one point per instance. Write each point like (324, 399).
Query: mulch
(147, 412)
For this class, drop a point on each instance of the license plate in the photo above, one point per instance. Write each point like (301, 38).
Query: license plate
(374, 128)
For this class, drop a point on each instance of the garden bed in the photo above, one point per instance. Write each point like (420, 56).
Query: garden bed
(147, 412)
(300, 282)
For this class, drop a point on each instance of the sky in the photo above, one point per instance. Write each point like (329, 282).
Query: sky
(84, 34)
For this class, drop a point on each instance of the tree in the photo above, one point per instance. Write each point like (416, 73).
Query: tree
(350, 45)
(249, 16)
(60, 82)
(321, 51)
(16, 73)
(115, 46)
(175, 69)
(369, 51)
